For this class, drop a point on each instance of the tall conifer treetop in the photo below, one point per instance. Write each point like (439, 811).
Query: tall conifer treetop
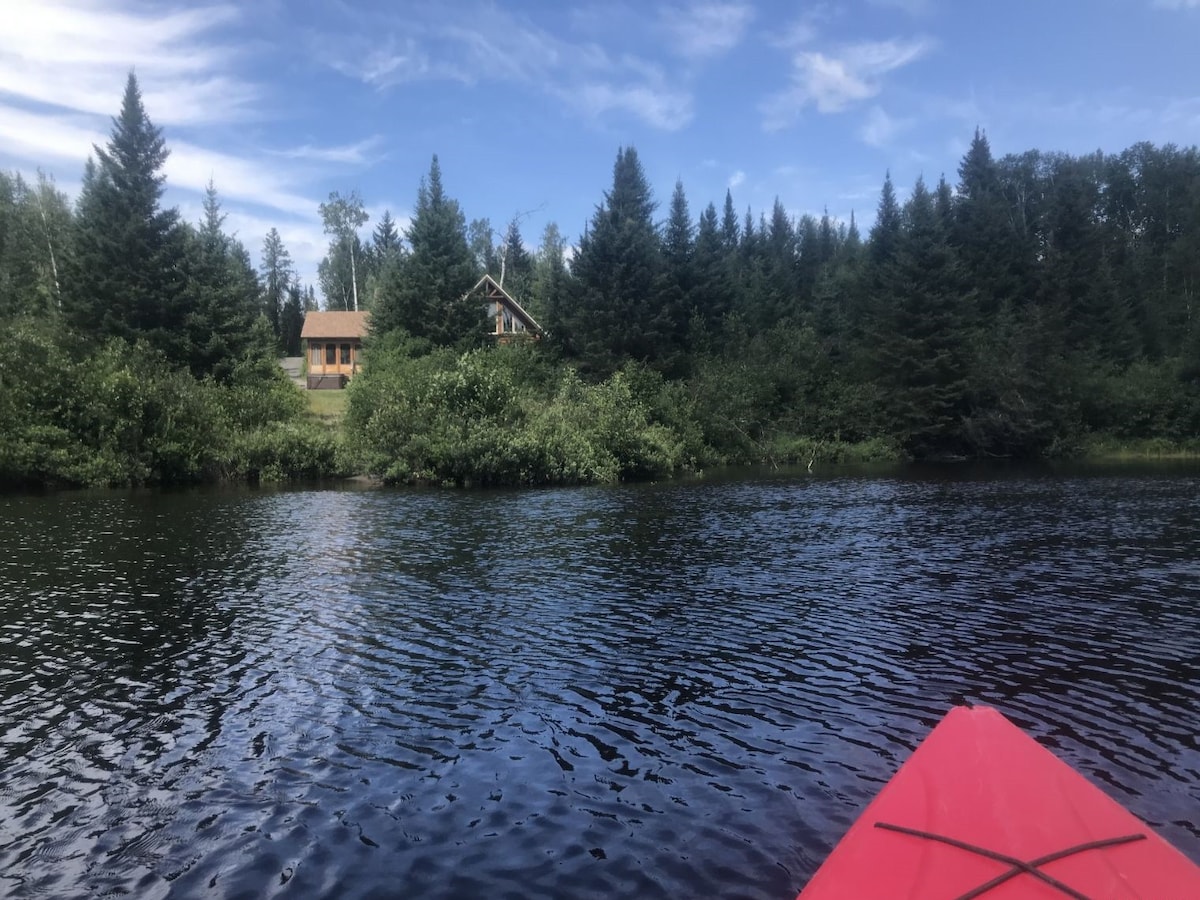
(126, 280)
(426, 295)
(885, 234)
(136, 152)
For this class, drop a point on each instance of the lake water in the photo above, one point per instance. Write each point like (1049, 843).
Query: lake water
(640, 691)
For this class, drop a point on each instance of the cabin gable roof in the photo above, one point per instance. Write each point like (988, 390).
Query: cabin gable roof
(335, 324)
(493, 292)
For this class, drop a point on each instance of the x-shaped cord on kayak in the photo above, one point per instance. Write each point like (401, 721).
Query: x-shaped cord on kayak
(1019, 866)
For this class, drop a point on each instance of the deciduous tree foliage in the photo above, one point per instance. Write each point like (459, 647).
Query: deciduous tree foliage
(342, 273)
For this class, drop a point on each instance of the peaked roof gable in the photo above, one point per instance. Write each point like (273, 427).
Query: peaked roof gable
(496, 292)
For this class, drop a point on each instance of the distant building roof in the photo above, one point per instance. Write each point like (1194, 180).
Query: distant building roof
(335, 324)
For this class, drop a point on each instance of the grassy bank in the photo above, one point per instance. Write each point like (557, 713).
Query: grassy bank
(1103, 448)
(327, 407)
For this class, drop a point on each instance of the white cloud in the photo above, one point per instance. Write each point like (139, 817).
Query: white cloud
(878, 129)
(63, 65)
(706, 30)
(392, 63)
(1177, 4)
(468, 44)
(736, 179)
(70, 138)
(654, 105)
(74, 55)
(834, 82)
(237, 178)
(804, 29)
(364, 152)
(41, 139)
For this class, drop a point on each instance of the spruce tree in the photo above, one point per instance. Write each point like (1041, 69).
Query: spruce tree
(222, 294)
(126, 278)
(549, 289)
(983, 232)
(516, 263)
(616, 315)
(385, 242)
(676, 296)
(920, 339)
(885, 236)
(291, 320)
(777, 285)
(810, 256)
(277, 276)
(428, 295)
(730, 232)
(713, 295)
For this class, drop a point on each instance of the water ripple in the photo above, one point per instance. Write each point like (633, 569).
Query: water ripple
(638, 691)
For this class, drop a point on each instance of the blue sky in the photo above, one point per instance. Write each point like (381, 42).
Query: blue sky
(282, 101)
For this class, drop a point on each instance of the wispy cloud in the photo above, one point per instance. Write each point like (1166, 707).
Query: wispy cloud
(879, 128)
(45, 139)
(191, 167)
(912, 7)
(736, 179)
(1177, 4)
(471, 44)
(364, 152)
(70, 53)
(706, 30)
(396, 61)
(654, 105)
(63, 65)
(835, 81)
(803, 29)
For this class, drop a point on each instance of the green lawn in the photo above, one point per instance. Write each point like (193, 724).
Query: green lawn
(326, 406)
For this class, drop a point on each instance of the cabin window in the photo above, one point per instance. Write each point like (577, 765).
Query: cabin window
(508, 321)
(331, 354)
(315, 354)
(345, 354)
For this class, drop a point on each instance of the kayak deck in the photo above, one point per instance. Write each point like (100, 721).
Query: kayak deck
(982, 810)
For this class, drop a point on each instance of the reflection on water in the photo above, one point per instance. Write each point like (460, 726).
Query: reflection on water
(639, 691)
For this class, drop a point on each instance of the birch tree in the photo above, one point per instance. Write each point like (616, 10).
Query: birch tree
(343, 217)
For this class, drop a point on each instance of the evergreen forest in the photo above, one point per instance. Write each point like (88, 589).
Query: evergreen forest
(1038, 305)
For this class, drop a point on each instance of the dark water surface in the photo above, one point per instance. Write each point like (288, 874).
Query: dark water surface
(653, 691)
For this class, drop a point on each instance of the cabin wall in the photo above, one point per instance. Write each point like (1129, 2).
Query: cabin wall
(333, 356)
(507, 324)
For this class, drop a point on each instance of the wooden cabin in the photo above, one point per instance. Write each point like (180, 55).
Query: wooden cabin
(333, 340)
(333, 347)
(509, 321)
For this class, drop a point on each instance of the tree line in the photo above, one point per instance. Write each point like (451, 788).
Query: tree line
(1042, 304)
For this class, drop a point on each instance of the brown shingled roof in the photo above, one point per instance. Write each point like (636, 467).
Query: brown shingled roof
(335, 324)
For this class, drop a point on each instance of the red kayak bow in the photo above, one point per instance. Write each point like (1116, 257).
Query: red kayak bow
(983, 810)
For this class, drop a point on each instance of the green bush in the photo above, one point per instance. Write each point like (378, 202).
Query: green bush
(500, 416)
(122, 414)
(284, 451)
